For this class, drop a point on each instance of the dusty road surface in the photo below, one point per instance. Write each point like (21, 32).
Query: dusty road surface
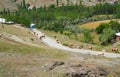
(52, 43)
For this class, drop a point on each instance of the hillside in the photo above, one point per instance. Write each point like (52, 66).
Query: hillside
(64, 50)
(11, 4)
(32, 58)
(8, 4)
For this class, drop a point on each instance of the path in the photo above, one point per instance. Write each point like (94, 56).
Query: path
(52, 43)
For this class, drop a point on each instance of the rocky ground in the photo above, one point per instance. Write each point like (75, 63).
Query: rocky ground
(28, 65)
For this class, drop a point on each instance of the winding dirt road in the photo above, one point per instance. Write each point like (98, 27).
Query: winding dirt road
(52, 43)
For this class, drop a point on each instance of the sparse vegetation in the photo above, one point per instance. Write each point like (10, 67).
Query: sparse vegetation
(59, 22)
(87, 36)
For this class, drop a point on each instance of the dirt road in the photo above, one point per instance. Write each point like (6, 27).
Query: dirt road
(52, 43)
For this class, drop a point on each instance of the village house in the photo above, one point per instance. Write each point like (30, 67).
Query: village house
(118, 36)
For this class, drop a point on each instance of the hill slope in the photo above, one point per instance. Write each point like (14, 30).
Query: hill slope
(21, 60)
(11, 4)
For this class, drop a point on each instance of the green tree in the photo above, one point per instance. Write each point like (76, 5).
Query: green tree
(87, 36)
(108, 36)
(57, 1)
(101, 27)
(115, 25)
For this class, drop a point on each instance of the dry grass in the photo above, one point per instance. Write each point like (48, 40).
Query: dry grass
(77, 41)
(20, 60)
(65, 39)
(7, 44)
(93, 25)
(22, 33)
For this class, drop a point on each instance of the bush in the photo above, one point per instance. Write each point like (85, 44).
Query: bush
(108, 36)
(115, 25)
(87, 36)
(101, 27)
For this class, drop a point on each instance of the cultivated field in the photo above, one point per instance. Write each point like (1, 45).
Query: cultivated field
(93, 25)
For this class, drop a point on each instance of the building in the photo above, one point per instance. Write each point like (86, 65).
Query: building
(2, 20)
(30, 7)
(118, 36)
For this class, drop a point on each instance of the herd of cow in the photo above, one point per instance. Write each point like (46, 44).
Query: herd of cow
(114, 49)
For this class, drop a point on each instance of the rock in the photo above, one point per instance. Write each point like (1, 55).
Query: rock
(51, 66)
(1, 35)
(83, 71)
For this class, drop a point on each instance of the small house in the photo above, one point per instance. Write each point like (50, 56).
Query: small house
(30, 7)
(2, 20)
(118, 36)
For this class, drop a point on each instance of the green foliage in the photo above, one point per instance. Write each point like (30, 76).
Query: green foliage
(87, 36)
(104, 9)
(67, 33)
(73, 28)
(101, 27)
(61, 18)
(112, 24)
(108, 36)
(107, 31)
(115, 25)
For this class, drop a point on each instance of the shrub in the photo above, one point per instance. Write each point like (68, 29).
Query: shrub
(87, 36)
(101, 27)
(108, 36)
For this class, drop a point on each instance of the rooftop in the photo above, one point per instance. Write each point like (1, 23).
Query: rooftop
(117, 34)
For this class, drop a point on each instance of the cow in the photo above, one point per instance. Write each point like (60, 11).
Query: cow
(100, 54)
(43, 36)
(71, 45)
(34, 33)
(90, 47)
(57, 41)
(1, 35)
(115, 49)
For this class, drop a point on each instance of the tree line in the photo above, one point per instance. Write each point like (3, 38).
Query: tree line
(75, 14)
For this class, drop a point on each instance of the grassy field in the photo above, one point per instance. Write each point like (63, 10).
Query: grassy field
(78, 41)
(22, 33)
(20, 60)
(65, 40)
(93, 25)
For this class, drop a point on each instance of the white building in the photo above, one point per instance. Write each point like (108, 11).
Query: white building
(2, 20)
(117, 36)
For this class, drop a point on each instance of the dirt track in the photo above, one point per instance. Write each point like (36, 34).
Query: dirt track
(52, 43)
